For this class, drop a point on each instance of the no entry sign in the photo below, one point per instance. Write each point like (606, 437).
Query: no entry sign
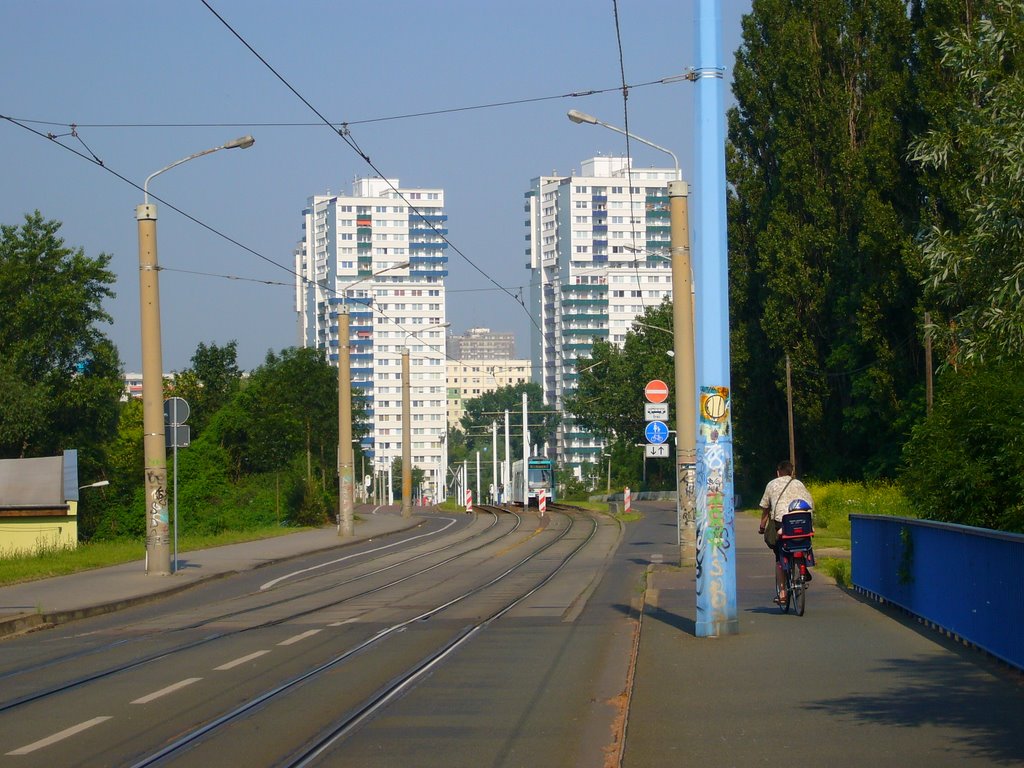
(656, 391)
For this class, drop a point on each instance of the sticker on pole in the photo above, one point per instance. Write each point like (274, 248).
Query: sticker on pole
(656, 391)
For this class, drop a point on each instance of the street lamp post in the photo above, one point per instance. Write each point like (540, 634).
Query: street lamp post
(346, 458)
(582, 117)
(158, 537)
(683, 334)
(407, 422)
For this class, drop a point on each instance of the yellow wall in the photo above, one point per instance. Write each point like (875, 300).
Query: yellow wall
(26, 535)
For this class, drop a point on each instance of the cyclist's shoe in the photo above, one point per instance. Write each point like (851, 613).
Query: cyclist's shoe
(807, 576)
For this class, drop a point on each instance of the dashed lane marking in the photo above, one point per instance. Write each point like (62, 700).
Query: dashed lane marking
(67, 732)
(242, 660)
(169, 689)
(297, 638)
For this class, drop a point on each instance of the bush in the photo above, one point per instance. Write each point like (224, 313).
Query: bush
(965, 462)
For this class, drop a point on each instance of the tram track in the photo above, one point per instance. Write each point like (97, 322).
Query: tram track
(394, 682)
(166, 653)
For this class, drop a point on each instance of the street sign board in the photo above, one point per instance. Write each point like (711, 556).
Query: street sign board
(176, 410)
(656, 451)
(655, 411)
(656, 391)
(656, 432)
(177, 435)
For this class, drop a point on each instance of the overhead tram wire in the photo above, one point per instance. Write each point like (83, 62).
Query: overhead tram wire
(629, 164)
(100, 164)
(406, 116)
(345, 136)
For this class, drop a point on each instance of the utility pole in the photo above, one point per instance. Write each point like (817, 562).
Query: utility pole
(406, 438)
(789, 415)
(494, 460)
(345, 503)
(154, 447)
(526, 454)
(715, 504)
(686, 396)
(505, 479)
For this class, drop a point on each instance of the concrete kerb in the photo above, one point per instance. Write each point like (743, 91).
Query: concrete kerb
(25, 622)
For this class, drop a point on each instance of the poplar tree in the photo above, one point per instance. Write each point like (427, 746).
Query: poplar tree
(822, 214)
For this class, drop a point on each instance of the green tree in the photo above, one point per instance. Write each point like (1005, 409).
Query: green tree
(974, 175)
(481, 411)
(609, 396)
(289, 407)
(211, 381)
(965, 462)
(59, 371)
(822, 266)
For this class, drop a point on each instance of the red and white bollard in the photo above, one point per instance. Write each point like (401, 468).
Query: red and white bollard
(469, 500)
(542, 501)
(626, 503)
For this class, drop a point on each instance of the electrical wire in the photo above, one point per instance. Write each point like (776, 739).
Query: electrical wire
(388, 118)
(345, 136)
(100, 164)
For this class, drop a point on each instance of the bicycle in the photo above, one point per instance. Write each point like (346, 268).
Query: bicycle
(796, 556)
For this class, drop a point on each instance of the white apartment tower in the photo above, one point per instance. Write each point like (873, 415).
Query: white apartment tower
(599, 253)
(381, 252)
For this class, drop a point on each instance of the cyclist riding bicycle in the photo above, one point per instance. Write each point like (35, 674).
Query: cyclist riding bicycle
(780, 492)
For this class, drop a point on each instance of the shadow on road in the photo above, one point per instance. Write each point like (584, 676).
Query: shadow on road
(940, 692)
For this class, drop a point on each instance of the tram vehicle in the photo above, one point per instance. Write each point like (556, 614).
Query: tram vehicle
(541, 474)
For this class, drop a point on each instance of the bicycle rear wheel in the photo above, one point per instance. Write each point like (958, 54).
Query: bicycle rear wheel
(787, 577)
(799, 594)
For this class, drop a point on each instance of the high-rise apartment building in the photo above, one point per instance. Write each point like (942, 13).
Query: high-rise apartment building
(599, 254)
(380, 253)
(482, 344)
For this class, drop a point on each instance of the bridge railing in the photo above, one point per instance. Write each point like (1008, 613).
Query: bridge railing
(967, 581)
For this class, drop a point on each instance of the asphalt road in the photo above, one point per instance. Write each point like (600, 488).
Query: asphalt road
(599, 665)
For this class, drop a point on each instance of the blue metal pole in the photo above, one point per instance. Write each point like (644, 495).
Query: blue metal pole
(715, 509)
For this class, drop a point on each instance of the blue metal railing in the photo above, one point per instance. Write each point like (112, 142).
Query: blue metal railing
(965, 580)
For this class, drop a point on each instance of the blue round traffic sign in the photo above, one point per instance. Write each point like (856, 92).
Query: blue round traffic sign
(656, 432)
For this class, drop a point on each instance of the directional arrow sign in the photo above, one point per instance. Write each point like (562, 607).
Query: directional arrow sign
(656, 432)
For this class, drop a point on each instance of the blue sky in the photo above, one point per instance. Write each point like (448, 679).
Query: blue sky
(148, 83)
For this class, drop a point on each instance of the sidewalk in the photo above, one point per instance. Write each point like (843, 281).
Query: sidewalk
(47, 602)
(847, 684)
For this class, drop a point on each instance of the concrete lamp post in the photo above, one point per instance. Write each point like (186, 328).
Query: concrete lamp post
(407, 420)
(346, 457)
(683, 347)
(158, 549)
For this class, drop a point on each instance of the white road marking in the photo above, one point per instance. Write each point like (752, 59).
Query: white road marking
(242, 660)
(343, 623)
(278, 580)
(169, 689)
(58, 736)
(296, 639)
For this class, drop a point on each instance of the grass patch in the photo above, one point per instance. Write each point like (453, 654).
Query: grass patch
(54, 561)
(835, 502)
(836, 567)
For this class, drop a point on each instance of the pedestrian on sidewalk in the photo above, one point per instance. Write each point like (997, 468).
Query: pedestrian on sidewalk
(778, 495)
